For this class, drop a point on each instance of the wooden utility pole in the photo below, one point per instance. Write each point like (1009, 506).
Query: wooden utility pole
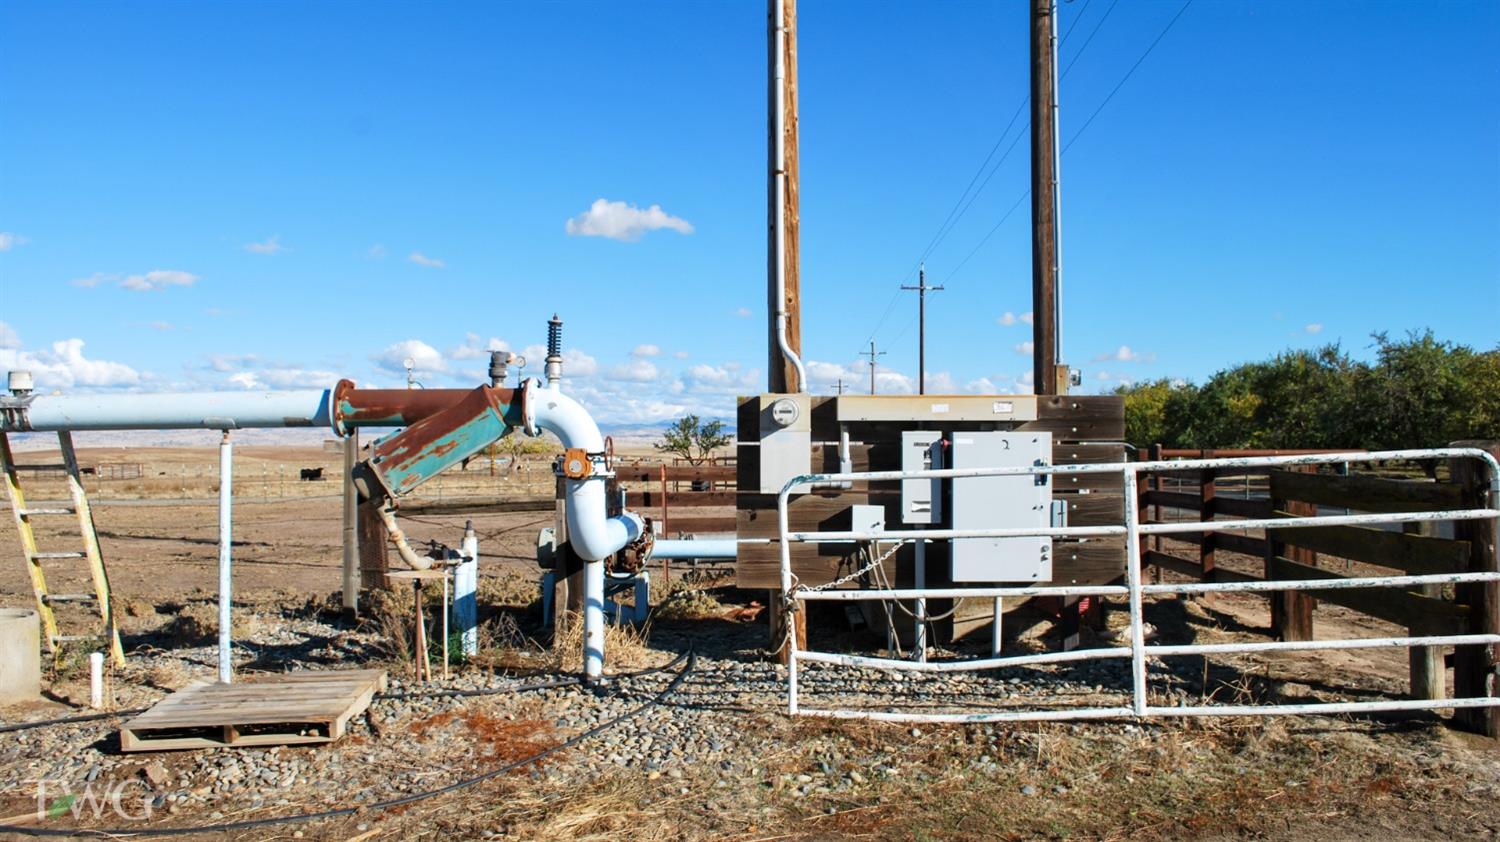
(922, 289)
(782, 33)
(1050, 379)
(872, 354)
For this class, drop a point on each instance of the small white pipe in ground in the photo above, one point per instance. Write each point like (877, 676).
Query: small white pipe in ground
(465, 585)
(226, 503)
(593, 535)
(96, 680)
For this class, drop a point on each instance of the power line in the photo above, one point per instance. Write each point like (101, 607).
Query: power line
(1126, 77)
(1089, 40)
(1081, 129)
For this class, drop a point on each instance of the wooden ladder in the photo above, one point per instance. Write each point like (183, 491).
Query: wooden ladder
(24, 516)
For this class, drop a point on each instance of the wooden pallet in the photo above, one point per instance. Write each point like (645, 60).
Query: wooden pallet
(298, 708)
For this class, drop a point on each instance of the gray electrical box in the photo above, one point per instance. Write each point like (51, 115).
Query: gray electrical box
(921, 499)
(1001, 502)
(785, 440)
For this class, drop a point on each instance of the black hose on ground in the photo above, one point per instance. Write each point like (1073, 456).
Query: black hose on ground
(692, 662)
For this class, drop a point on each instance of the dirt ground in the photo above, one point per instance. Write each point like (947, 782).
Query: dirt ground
(1322, 778)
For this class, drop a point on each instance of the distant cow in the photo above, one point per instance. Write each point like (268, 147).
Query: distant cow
(312, 473)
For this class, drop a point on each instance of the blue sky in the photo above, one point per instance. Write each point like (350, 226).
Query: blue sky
(215, 195)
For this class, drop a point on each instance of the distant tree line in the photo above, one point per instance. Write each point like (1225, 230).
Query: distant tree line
(1419, 392)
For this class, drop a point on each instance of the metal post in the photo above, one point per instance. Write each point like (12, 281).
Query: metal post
(465, 586)
(995, 631)
(919, 580)
(351, 526)
(1133, 584)
(226, 504)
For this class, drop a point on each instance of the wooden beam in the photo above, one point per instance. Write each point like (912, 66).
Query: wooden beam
(674, 473)
(1366, 494)
(1413, 553)
(1404, 608)
(1043, 201)
(782, 376)
(653, 499)
(1476, 669)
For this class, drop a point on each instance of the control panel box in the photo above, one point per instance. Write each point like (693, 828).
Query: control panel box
(921, 499)
(1001, 502)
(785, 440)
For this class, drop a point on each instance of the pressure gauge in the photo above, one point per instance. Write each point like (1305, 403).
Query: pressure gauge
(784, 412)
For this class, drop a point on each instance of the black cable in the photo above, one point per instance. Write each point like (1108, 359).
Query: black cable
(692, 662)
(66, 720)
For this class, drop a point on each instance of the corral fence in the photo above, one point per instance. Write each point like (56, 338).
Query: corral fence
(1295, 523)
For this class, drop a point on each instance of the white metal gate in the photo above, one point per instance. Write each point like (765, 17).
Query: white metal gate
(1134, 589)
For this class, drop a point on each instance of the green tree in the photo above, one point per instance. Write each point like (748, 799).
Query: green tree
(693, 439)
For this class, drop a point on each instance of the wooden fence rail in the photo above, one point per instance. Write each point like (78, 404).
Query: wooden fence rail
(1294, 554)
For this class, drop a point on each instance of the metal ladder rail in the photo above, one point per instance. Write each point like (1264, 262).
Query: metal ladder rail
(23, 515)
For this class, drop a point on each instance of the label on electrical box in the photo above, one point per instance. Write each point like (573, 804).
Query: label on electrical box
(939, 408)
(1004, 407)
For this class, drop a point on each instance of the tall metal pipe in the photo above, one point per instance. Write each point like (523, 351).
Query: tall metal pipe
(168, 411)
(226, 567)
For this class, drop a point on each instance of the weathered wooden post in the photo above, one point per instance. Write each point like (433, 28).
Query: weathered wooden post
(1476, 669)
(1291, 611)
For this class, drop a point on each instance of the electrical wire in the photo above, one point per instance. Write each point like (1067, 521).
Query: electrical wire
(1081, 129)
(1128, 73)
(677, 681)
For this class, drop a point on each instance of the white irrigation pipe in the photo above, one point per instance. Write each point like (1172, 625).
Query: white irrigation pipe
(1135, 589)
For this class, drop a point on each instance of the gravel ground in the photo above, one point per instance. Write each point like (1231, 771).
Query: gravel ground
(719, 757)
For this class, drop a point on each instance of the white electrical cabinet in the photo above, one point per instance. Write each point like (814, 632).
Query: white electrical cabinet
(785, 440)
(1001, 502)
(921, 499)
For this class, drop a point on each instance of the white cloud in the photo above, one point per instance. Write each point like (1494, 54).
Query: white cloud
(635, 371)
(229, 362)
(730, 378)
(981, 386)
(1125, 354)
(1025, 348)
(576, 363)
(476, 347)
(646, 350)
(161, 325)
(9, 240)
(1027, 378)
(283, 378)
(1008, 319)
(1315, 327)
(743, 312)
(1026, 317)
(157, 279)
(423, 260)
(681, 355)
(272, 245)
(94, 280)
(623, 222)
(376, 252)
(8, 337)
(425, 358)
(65, 367)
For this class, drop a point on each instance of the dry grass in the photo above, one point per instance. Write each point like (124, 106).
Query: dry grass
(626, 646)
(688, 601)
